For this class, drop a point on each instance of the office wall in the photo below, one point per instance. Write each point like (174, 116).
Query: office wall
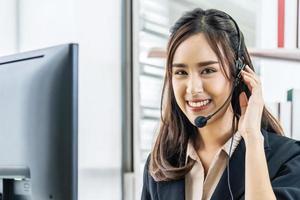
(8, 30)
(96, 26)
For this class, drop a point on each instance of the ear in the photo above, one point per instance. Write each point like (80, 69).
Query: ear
(243, 102)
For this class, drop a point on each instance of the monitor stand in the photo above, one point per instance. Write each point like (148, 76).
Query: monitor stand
(8, 189)
(15, 183)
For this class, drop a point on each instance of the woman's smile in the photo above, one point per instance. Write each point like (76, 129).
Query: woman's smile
(196, 106)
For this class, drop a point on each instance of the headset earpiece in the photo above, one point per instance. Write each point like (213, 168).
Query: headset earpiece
(239, 65)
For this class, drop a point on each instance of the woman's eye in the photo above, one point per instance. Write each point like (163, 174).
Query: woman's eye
(180, 73)
(207, 71)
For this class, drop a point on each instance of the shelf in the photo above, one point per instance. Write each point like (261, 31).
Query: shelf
(279, 54)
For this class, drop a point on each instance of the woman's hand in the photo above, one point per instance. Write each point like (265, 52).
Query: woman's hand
(256, 170)
(251, 110)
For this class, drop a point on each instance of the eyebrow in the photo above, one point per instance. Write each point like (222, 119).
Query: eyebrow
(199, 64)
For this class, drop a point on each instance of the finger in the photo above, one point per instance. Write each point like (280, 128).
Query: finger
(243, 102)
(249, 81)
(253, 86)
(248, 69)
(254, 76)
(252, 72)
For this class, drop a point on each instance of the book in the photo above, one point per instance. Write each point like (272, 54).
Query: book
(285, 117)
(293, 95)
(273, 108)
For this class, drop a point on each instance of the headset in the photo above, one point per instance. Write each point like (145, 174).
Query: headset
(201, 121)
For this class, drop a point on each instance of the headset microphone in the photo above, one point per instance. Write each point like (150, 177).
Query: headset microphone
(201, 121)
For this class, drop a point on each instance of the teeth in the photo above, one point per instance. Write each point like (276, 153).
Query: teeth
(198, 104)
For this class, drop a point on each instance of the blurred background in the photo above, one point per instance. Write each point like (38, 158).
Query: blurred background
(121, 67)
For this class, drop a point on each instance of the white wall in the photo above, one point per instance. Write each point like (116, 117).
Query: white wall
(96, 26)
(278, 77)
(266, 20)
(8, 27)
(46, 23)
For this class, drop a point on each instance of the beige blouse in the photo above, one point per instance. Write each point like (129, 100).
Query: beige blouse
(198, 188)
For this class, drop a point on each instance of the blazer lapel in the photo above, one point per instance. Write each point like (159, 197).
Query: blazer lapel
(237, 176)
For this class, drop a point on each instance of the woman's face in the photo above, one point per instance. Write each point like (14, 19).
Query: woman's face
(199, 82)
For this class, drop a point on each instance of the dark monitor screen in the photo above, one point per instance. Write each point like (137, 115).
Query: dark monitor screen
(38, 124)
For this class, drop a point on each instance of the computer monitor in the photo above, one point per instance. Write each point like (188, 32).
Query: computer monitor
(38, 124)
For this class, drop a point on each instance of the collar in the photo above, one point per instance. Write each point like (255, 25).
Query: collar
(192, 153)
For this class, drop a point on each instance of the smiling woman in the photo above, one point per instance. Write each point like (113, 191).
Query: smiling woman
(209, 71)
(201, 79)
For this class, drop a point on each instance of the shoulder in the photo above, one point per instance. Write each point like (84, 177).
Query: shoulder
(281, 152)
(149, 184)
(146, 169)
(282, 145)
(283, 157)
(148, 179)
(147, 175)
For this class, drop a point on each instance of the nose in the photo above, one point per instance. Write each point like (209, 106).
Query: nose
(194, 85)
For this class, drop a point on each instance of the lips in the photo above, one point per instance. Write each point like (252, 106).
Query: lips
(198, 105)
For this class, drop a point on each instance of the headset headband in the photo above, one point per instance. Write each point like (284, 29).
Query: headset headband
(239, 53)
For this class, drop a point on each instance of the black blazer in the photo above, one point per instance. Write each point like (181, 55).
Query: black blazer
(283, 158)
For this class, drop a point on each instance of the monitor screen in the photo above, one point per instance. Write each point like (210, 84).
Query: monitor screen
(38, 124)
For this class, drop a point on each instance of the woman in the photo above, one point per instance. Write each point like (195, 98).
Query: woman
(216, 138)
